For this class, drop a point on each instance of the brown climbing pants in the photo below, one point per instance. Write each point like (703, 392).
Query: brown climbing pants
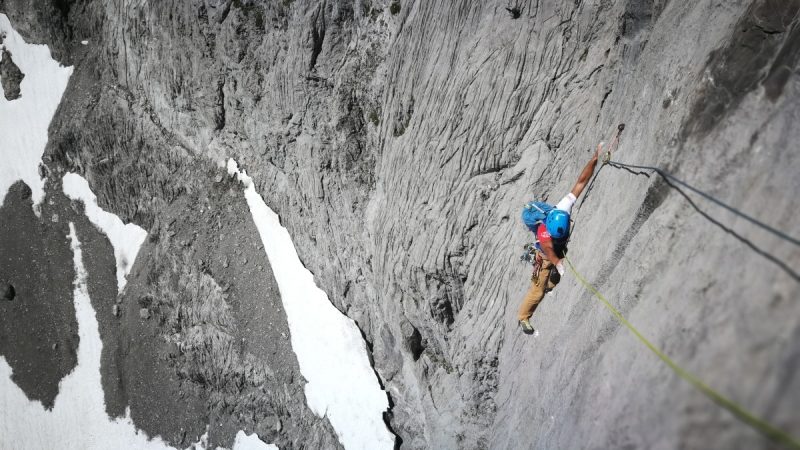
(541, 283)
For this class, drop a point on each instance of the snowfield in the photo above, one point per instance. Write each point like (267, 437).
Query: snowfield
(330, 350)
(125, 238)
(24, 121)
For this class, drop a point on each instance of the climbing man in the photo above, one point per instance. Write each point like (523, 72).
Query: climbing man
(551, 226)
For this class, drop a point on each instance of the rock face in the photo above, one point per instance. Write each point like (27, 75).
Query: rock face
(9, 292)
(38, 332)
(10, 76)
(398, 141)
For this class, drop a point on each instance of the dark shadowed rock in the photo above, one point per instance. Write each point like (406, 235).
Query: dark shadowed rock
(10, 76)
(38, 330)
(8, 292)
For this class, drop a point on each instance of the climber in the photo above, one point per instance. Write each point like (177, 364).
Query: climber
(551, 226)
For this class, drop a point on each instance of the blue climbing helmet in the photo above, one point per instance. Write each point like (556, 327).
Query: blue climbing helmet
(557, 224)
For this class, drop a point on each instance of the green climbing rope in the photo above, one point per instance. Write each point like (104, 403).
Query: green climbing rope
(737, 410)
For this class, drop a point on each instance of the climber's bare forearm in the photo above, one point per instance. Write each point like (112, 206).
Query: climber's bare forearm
(549, 252)
(586, 174)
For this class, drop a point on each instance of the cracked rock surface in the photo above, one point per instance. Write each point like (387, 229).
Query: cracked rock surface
(398, 142)
(10, 76)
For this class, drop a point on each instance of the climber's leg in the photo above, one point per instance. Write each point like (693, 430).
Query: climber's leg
(539, 283)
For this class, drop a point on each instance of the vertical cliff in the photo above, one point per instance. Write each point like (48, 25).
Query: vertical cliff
(398, 141)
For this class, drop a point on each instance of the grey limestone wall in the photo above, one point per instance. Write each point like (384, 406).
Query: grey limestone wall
(399, 140)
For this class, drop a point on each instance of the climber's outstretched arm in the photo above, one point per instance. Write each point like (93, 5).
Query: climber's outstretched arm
(587, 172)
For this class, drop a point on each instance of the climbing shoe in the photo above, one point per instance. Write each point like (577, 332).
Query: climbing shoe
(526, 326)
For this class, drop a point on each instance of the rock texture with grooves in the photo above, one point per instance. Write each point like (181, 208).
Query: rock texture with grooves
(398, 143)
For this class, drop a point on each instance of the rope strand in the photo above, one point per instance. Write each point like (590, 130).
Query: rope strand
(734, 408)
(767, 255)
(772, 432)
(709, 197)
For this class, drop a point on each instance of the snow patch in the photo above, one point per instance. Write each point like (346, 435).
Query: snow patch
(329, 347)
(24, 121)
(125, 238)
(251, 442)
(78, 419)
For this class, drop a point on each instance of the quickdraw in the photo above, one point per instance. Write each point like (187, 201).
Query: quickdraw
(614, 144)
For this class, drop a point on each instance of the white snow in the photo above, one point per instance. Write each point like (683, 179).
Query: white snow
(329, 347)
(78, 419)
(125, 238)
(24, 121)
(251, 442)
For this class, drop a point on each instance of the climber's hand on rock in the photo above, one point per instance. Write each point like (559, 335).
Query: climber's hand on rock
(599, 151)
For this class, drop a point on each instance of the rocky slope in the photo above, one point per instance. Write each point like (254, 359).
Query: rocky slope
(398, 141)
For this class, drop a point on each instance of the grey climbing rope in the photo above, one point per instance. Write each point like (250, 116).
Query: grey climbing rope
(710, 198)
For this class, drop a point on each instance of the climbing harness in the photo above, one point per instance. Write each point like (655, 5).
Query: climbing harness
(537, 267)
(737, 410)
(534, 257)
(528, 255)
